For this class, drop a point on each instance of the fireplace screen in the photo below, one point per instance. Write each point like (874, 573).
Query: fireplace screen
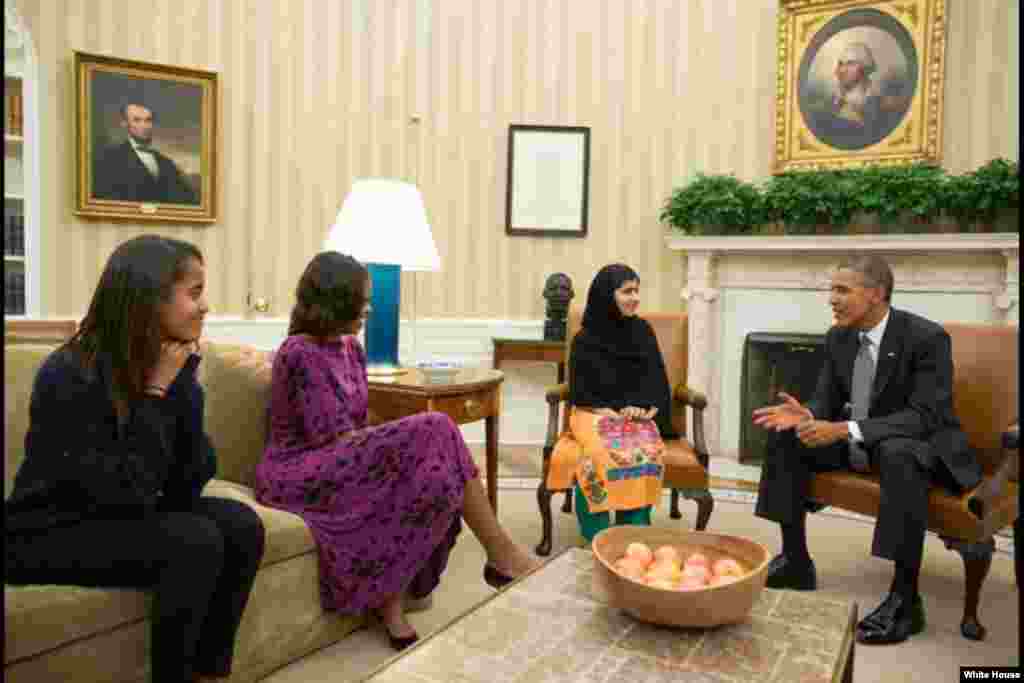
(774, 362)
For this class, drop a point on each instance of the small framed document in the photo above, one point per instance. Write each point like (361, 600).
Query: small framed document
(548, 177)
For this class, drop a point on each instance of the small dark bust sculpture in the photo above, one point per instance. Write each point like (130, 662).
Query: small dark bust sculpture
(558, 292)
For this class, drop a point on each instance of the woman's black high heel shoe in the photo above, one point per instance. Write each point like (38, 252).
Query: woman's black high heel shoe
(398, 643)
(496, 579)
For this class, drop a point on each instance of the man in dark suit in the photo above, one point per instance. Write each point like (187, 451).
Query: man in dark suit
(884, 402)
(134, 171)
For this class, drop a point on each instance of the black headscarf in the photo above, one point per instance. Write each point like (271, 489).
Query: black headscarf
(615, 361)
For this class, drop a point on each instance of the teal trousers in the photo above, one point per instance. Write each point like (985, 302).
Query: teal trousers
(591, 523)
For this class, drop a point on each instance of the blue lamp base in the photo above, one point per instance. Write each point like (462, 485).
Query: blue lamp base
(382, 325)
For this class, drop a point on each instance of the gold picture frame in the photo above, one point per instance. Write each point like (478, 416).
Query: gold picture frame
(146, 140)
(859, 82)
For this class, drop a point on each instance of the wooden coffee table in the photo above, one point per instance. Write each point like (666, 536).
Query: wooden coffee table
(470, 395)
(549, 626)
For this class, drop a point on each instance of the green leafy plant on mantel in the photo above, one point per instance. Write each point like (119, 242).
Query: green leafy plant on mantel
(979, 197)
(901, 196)
(714, 205)
(801, 201)
(885, 199)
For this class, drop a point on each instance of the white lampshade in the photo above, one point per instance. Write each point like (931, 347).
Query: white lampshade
(384, 221)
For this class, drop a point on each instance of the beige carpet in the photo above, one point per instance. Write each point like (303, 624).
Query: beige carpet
(840, 546)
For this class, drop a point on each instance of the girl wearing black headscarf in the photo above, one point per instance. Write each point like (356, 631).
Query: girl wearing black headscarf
(620, 409)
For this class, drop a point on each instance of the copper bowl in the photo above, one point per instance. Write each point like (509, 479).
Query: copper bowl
(725, 603)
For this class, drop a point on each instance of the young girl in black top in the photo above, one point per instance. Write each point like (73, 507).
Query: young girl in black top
(116, 458)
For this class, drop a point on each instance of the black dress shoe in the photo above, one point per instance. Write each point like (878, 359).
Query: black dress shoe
(496, 579)
(893, 621)
(785, 573)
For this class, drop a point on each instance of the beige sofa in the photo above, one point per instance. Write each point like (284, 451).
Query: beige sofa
(65, 634)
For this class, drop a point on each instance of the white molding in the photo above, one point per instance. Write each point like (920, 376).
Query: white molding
(262, 333)
(456, 339)
(1008, 298)
(933, 272)
(846, 243)
(31, 87)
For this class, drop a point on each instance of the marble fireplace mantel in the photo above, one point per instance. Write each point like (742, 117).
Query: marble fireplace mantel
(734, 283)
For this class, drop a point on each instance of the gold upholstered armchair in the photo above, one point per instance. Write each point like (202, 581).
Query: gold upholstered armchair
(686, 461)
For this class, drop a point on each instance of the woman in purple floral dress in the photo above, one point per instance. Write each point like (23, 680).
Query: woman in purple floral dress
(383, 503)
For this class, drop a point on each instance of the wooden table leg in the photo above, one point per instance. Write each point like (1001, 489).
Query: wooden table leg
(491, 429)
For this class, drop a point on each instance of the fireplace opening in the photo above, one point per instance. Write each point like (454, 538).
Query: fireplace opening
(774, 362)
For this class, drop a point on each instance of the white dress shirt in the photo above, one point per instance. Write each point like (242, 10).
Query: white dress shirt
(146, 157)
(874, 336)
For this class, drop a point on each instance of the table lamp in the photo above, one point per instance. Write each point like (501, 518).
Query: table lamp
(383, 224)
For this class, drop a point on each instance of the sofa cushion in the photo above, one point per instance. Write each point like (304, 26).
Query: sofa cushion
(236, 379)
(39, 618)
(286, 534)
(21, 362)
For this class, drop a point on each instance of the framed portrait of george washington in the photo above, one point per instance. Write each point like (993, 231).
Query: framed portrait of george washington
(146, 138)
(859, 82)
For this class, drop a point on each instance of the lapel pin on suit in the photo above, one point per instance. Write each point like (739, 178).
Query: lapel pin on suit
(891, 354)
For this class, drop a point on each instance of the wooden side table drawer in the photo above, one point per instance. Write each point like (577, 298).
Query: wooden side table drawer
(463, 409)
(387, 406)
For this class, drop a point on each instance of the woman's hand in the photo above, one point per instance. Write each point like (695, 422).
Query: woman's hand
(634, 413)
(606, 412)
(173, 355)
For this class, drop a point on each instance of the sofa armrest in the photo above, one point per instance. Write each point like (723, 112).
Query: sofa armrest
(685, 396)
(993, 485)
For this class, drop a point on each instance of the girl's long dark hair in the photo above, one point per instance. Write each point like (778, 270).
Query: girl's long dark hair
(331, 294)
(123, 320)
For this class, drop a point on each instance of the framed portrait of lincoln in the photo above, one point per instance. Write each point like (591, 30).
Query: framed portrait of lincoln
(146, 139)
(859, 82)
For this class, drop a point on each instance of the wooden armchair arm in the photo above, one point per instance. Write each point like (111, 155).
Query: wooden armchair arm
(689, 397)
(1011, 437)
(685, 396)
(554, 396)
(994, 484)
(557, 393)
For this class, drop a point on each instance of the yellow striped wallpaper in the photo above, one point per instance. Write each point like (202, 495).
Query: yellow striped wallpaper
(316, 93)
